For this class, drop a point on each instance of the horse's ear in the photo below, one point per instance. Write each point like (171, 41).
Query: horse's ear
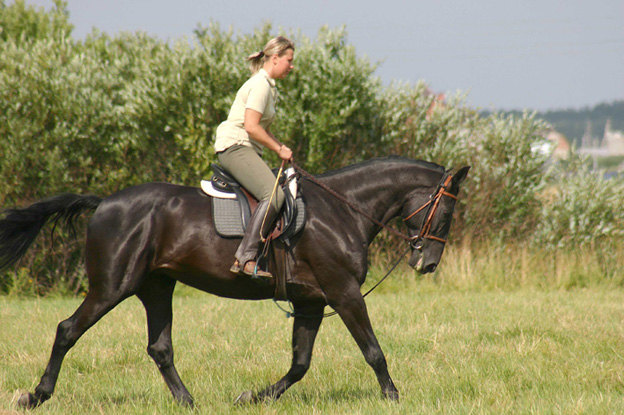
(460, 175)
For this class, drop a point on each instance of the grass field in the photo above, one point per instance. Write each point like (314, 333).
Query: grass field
(452, 352)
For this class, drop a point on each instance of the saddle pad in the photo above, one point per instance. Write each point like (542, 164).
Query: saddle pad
(208, 188)
(229, 222)
(227, 217)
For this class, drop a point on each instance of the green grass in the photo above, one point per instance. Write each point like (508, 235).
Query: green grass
(449, 351)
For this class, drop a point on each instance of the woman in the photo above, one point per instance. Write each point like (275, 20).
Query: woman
(240, 141)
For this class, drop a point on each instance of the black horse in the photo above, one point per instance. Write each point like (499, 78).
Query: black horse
(142, 240)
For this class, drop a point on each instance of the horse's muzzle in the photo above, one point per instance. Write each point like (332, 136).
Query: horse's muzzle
(420, 264)
(416, 260)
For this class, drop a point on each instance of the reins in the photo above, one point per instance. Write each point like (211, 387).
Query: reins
(425, 230)
(351, 205)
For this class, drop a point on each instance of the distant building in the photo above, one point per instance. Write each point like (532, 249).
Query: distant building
(613, 141)
(559, 144)
(589, 140)
(555, 145)
(612, 144)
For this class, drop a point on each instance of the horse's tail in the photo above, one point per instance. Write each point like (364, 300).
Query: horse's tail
(20, 227)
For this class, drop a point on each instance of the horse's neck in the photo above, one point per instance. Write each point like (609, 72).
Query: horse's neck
(379, 192)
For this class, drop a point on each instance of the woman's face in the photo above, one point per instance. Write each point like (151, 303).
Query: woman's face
(282, 65)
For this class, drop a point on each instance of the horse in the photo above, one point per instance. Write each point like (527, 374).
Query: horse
(142, 240)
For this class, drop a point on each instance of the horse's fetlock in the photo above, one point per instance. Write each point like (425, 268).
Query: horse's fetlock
(376, 359)
(297, 372)
(162, 355)
(65, 337)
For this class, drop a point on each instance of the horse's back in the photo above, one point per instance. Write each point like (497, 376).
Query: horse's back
(143, 223)
(137, 202)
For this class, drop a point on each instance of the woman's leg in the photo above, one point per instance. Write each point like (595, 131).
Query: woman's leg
(254, 175)
(248, 168)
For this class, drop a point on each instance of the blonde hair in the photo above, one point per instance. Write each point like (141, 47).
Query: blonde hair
(276, 46)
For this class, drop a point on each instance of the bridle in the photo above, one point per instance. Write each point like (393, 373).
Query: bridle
(432, 205)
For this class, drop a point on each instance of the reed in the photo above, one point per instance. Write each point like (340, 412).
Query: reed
(498, 266)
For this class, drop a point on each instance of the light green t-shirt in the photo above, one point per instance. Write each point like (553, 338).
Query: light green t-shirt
(259, 94)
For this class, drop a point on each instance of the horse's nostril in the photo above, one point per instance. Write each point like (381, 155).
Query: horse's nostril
(431, 268)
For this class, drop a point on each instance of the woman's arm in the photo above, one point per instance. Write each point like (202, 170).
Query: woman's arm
(259, 134)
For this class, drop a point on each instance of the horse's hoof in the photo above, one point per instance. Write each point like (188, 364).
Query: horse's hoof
(186, 401)
(392, 396)
(28, 401)
(245, 398)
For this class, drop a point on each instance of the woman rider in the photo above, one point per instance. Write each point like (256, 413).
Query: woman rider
(240, 141)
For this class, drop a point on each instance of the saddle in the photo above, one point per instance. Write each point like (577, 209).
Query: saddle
(232, 207)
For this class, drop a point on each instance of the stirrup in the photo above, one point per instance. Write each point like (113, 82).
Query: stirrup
(256, 273)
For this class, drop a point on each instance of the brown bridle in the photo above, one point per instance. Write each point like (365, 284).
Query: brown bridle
(433, 203)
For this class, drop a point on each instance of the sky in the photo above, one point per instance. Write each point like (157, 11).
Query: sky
(530, 54)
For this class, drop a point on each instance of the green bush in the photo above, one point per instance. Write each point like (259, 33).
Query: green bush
(22, 23)
(581, 208)
(107, 112)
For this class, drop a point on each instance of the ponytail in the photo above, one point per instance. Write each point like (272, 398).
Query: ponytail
(256, 61)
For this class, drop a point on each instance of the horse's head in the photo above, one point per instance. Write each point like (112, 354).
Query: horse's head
(429, 221)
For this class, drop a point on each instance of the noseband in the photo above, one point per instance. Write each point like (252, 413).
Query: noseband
(432, 205)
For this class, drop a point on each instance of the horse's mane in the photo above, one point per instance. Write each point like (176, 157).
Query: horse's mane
(380, 161)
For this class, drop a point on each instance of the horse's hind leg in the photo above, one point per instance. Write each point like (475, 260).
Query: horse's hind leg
(68, 332)
(353, 312)
(156, 296)
(305, 329)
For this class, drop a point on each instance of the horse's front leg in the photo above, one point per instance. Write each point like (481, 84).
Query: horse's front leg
(352, 310)
(305, 328)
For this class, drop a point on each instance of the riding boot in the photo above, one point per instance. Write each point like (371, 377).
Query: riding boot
(248, 249)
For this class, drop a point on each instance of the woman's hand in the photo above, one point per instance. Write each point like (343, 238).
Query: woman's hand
(284, 153)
